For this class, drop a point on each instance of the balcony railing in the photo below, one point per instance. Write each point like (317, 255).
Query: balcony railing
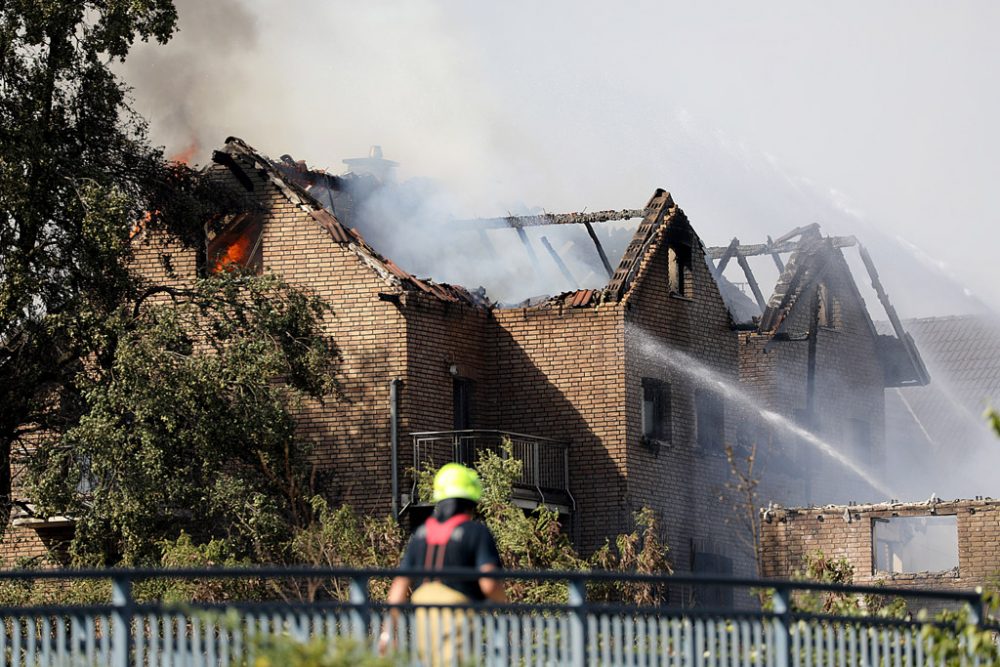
(544, 477)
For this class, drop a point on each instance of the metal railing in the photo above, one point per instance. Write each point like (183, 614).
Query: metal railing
(578, 632)
(544, 462)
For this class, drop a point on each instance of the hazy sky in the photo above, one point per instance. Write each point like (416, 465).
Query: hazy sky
(873, 118)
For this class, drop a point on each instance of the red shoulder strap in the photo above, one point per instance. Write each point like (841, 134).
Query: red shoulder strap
(439, 532)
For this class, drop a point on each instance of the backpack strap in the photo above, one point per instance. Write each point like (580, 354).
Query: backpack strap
(438, 535)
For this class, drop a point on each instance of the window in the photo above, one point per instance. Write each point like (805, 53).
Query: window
(462, 403)
(679, 273)
(655, 410)
(824, 314)
(706, 560)
(828, 308)
(915, 544)
(709, 420)
(679, 243)
(237, 247)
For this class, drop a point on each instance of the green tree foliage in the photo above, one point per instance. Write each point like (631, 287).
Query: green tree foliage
(340, 538)
(171, 405)
(954, 637)
(75, 175)
(993, 417)
(819, 567)
(190, 426)
(320, 652)
(536, 540)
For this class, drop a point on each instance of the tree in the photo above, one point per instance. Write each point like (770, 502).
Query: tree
(173, 404)
(191, 426)
(75, 174)
(743, 483)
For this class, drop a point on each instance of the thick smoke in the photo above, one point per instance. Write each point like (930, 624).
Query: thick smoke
(187, 89)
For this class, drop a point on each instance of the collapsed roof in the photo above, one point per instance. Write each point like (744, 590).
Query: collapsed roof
(353, 206)
(810, 256)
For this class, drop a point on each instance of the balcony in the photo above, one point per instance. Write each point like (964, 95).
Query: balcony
(544, 478)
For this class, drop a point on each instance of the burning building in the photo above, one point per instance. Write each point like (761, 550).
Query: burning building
(623, 391)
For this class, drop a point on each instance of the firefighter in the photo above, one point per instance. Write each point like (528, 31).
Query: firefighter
(450, 538)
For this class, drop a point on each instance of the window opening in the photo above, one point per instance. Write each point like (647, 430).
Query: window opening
(823, 315)
(656, 423)
(462, 403)
(907, 544)
(679, 275)
(710, 420)
(679, 244)
(705, 560)
(238, 247)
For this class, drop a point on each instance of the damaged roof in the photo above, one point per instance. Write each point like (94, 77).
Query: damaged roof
(236, 151)
(812, 257)
(334, 194)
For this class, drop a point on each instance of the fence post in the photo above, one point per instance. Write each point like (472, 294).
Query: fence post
(782, 627)
(578, 639)
(121, 618)
(359, 610)
(976, 605)
(536, 465)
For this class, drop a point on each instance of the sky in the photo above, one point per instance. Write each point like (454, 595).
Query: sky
(872, 118)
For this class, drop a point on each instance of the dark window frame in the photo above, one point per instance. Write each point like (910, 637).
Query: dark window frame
(710, 421)
(706, 559)
(656, 395)
(462, 395)
(246, 229)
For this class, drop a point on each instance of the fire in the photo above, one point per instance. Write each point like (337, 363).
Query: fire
(235, 256)
(186, 154)
(141, 224)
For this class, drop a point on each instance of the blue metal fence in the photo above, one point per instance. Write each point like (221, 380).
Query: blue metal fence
(578, 632)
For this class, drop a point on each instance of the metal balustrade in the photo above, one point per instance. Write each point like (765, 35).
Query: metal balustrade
(577, 632)
(544, 475)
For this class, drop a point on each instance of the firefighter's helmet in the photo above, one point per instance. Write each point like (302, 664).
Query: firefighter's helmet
(454, 480)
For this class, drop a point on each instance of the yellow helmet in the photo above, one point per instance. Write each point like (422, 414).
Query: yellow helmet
(454, 480)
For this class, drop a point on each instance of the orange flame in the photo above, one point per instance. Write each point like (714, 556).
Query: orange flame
(186, 154)
(140, 225)
(236, 256)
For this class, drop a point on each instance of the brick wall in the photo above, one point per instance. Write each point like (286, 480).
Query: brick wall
(791, 534)
(684, 482)
(560, 375)
(349, 435)
(849, 395)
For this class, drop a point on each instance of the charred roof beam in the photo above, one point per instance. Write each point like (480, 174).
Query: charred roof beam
(922, 377)
(520, 221)
(756, 249)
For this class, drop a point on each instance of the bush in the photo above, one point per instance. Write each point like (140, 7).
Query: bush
(287, 652)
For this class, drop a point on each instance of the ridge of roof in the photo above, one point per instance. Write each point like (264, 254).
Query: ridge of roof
(661, 213)
(351, 238)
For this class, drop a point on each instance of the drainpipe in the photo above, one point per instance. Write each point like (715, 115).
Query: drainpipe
(813, 424)
(394, 442)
